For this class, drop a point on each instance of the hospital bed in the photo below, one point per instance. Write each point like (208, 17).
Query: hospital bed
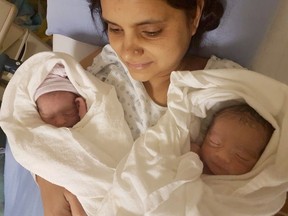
(253, 33)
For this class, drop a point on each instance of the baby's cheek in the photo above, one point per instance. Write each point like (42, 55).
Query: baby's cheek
(195, 148)
(239, 168)
(72, 121)
(207, 152)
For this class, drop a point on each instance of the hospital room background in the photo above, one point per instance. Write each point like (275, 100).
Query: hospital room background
(253, 33)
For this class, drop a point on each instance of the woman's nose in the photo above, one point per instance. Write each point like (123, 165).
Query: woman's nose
(131, 48)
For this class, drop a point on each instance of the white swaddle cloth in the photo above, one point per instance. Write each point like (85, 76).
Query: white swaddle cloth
(161, 177)
(82, 158)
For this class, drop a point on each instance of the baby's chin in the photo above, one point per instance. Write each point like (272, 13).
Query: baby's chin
(214, 170)
(207, 171)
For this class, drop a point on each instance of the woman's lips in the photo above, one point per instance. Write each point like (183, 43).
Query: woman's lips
(138, 66)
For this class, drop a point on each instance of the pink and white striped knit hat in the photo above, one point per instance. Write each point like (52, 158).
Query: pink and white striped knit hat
(56, 80)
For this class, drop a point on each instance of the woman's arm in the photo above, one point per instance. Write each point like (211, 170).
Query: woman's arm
(58, 201)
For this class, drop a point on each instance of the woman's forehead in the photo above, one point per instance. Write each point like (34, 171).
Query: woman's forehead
(136, 8)
(139, 12)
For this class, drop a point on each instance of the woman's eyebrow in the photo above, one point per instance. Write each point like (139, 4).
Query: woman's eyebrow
(107, 21)
(145, 22)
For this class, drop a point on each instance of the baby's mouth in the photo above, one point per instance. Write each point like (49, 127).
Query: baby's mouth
(217, 169)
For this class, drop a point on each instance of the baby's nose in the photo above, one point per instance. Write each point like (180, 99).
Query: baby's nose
(225, 158)
(60, 122)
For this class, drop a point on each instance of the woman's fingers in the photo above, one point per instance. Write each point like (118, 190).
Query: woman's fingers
(53, 199)
(75, 206)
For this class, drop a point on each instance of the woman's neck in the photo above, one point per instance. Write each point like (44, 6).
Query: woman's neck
(157, 89)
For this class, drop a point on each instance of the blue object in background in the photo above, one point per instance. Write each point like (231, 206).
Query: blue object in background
(22, 189)
(2, 160)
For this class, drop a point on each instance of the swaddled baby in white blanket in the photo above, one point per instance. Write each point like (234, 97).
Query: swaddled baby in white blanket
(161, 176)
(57, 101)
(234, 140)
(81, 158)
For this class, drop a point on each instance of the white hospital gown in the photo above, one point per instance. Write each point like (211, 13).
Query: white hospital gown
(141, 112)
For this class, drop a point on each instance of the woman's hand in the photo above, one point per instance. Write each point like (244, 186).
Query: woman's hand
(75, 205)
(57, 201)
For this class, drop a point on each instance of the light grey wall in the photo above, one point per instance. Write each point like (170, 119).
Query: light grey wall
(241, 31)
(272, 57)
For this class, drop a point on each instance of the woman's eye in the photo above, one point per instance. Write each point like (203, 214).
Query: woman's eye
(152, 33)
(114, 29)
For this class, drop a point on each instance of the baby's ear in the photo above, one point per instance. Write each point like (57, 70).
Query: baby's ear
(81, 105)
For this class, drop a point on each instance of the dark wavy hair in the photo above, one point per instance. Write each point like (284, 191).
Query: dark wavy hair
(210, 19)
(247, 116)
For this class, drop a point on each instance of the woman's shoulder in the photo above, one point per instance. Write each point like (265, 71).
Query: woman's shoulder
(217, 63)
(106, 54)
(192, 62)
(106, 60)
(88, 60)
(200, 63)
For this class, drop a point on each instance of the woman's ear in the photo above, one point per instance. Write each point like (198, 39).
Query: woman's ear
(195, 19)
(81, 105)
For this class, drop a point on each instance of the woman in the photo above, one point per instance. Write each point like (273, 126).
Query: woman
(152, 39)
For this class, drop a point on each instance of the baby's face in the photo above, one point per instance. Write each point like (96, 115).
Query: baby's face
(232, 147)
(58, 108)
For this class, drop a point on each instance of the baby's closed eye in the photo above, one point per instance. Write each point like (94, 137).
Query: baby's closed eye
(243, 157)
(213, 142)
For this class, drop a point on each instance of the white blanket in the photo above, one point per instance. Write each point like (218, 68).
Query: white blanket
(158, 176)
(161, 177)
(83, 158)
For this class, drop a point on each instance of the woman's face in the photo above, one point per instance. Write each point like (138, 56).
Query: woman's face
(149, 36)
